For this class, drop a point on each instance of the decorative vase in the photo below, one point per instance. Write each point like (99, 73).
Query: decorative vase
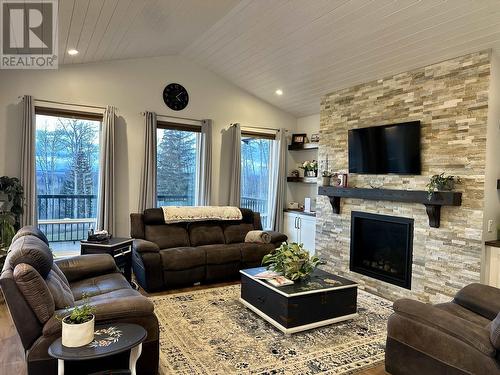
(311, 173)
(325, 181)
(76, 335)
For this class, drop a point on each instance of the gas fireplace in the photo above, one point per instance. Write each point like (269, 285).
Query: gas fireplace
(382, 247)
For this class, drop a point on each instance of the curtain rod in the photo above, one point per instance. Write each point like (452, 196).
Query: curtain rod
(258, 127)
(176, 117)
(63, 103)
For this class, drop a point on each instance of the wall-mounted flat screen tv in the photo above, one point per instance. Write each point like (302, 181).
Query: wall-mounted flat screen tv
(385, 149)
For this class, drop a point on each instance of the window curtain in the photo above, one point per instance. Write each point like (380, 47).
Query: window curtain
(147, 198)
(204, 173)
(277, 187)
(235, 166)
(28, 167)
(105, 211)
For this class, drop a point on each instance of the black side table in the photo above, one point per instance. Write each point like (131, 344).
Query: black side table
(119, 248)
(109, 339)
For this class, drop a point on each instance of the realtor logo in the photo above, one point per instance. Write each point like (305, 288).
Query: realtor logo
(29, 34)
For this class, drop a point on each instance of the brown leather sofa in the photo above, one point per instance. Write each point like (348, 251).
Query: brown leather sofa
(32, 307)
(171, 255)
(458, 337)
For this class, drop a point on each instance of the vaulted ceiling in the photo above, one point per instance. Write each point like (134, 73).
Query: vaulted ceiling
(307, 48)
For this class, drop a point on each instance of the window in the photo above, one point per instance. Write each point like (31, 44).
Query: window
(255, 176)
(67, 171)
(177, 164)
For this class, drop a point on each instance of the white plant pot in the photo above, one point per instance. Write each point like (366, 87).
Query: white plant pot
(76, 335)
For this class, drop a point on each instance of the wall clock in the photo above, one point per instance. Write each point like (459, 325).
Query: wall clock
(175, 96)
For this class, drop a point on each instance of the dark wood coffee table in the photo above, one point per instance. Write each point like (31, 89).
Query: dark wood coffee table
(109, 339)
(319, 300)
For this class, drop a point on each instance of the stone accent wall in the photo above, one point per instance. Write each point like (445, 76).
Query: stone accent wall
(451, 101)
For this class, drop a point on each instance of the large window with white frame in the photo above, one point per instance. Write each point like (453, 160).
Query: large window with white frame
(177, 150)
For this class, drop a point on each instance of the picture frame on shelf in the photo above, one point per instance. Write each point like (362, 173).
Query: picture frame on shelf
(315, 138)
(299, 139)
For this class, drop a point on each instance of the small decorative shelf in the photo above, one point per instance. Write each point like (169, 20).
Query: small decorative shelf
(304, 180)
(304, 146)
(432, 206)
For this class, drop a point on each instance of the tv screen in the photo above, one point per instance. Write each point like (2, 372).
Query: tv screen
(393, 148)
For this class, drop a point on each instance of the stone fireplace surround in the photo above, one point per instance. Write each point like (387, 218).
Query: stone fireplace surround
(450, 99)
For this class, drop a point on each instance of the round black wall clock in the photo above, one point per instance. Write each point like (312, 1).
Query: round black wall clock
(175, 96)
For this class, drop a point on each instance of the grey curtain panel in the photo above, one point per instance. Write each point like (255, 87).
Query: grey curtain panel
(204, 177)
(28, 168)
(235, 166)
(106, 207)
(278, 181)
(147, 198)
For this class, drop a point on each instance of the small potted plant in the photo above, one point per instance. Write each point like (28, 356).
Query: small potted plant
(292, 261)
(78, 327)
(326, 177)
(440, 182)
(310, 168)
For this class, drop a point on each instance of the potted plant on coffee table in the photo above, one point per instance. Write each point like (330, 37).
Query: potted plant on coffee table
(78, 326)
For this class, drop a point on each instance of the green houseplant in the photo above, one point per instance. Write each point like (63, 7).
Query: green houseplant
(440, 182)
(78, 326)
(310, 168)
(291, 260)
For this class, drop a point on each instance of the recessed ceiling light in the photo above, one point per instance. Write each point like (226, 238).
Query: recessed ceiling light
(279, 92)
(72, 52)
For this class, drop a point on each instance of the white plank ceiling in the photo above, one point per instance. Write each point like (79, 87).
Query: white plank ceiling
(307, 48)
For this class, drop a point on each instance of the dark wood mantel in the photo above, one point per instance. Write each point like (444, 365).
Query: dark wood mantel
(432, 206)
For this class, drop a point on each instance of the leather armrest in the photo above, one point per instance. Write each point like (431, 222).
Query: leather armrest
(277, 237)
(106, 311)
(474, 336)
(143, 246)
(482, 299)
(84, 266)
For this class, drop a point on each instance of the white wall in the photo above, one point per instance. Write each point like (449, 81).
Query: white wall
(296, 191)
(134, 86)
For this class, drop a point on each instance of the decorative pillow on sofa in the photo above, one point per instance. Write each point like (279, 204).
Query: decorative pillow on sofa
(258, 236)
(59, 289)
(35, 291)
(495, 332)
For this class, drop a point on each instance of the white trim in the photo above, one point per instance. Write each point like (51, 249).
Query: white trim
(103, 244)
(301, 328)
(266, 284)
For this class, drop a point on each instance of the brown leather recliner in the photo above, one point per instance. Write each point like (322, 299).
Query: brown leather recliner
(172, 255)
(458, 337)
(33, 310)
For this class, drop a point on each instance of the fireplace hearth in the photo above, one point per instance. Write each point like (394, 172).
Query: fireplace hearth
(382, 247)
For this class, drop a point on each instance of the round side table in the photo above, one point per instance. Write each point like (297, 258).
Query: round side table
(109, 339)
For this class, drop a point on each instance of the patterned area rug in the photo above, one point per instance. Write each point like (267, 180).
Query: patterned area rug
(211, 332)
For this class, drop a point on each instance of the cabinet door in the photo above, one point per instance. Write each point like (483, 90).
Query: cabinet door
(307, 230)
(290, 227)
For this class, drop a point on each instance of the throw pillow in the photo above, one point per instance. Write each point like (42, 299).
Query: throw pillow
(35, 291)
(495, 332)
(60, 291)
(258, 236)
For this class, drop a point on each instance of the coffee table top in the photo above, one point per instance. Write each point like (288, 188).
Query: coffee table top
(109, 339)
(318, 281)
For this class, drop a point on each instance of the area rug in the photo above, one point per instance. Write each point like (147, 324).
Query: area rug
(210, 332)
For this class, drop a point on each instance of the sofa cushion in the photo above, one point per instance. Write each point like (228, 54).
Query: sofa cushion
(30, 250)
(495, 332)
(254, 252)
(222, 254)
(153, 216)
(236, 232)
(182, 258)
(30, 230)
(35, 291)
(167, 235)
(205, 233)
(97, 285)
(60, 291)
(463, 313)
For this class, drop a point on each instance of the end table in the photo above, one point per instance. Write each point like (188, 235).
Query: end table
(109, 339)
(120, 248)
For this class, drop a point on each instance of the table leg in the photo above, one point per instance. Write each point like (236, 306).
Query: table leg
(60, 367)
(135, 353)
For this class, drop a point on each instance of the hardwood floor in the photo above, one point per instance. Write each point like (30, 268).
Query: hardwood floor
(12, 352)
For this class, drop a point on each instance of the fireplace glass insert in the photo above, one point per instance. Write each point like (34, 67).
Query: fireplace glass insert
(381, 247)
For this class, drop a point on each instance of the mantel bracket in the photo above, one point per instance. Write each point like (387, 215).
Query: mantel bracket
(434, 214)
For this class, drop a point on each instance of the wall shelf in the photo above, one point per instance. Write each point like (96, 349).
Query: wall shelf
(304, 180)
(432, 206)
(304, 146)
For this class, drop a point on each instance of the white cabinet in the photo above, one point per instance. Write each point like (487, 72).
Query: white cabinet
(301, 228)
